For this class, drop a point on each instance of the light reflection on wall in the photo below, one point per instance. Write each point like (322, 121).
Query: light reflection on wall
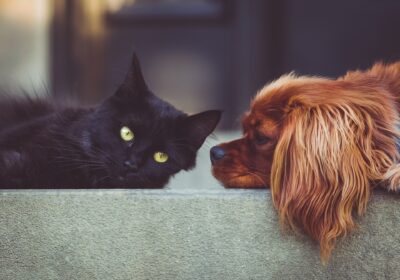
(24, 46)
(183, 76)
(116, 5)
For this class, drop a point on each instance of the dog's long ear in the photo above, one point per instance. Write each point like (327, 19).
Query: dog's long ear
(323, 164)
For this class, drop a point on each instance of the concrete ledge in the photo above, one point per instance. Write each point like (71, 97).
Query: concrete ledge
(180, 234)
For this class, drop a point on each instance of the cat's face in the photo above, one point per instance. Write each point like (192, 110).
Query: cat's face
(141, 139)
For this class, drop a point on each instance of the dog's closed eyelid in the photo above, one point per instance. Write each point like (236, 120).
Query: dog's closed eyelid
(261, 139)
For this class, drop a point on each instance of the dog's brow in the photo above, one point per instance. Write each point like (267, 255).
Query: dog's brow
(249, 122)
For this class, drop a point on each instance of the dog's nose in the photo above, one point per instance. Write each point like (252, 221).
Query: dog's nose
(216, 153)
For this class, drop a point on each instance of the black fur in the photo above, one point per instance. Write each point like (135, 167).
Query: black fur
(44, 145)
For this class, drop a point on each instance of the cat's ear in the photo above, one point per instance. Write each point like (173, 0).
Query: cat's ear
(198, 127)
(134, 84)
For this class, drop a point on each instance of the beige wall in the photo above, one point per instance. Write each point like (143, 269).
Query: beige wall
(24, 44)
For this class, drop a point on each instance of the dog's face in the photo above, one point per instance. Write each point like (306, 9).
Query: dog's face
(246, 162)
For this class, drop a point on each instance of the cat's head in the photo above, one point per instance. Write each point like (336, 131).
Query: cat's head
(142, 139)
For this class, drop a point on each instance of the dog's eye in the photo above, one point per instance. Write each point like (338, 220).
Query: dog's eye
(261, 139)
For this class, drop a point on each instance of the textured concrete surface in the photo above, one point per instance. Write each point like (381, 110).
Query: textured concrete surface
(194, 229)
(180, 234)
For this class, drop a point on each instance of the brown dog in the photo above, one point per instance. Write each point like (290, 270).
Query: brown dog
(321, 145)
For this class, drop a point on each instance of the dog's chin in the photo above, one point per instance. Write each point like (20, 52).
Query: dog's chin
(237, 180)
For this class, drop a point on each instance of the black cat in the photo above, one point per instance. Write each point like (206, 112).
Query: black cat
(132, 140)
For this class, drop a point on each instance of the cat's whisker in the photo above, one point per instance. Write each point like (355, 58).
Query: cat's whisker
(73, 151)
(73, 160)
(107, 157)
(101, 180)
(79, 164)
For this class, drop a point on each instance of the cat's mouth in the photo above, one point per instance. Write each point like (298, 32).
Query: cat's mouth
(136, 180)
(135, 177)
(128, 177)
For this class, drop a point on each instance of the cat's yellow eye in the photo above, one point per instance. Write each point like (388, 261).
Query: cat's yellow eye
(160, 157)
(126, 134)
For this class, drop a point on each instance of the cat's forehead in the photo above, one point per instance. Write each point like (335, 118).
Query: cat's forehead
(152, 106)
(150, 115)
(152, 123)
(162, 108)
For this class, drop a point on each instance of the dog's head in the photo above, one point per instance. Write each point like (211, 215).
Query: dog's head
(318, 144)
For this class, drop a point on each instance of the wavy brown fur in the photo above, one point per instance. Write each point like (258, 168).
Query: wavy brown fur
(336, 140)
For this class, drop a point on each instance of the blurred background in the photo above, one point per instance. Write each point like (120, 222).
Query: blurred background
(196, 54)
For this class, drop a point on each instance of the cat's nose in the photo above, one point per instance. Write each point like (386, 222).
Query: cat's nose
(132, 166)
(216, 153)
